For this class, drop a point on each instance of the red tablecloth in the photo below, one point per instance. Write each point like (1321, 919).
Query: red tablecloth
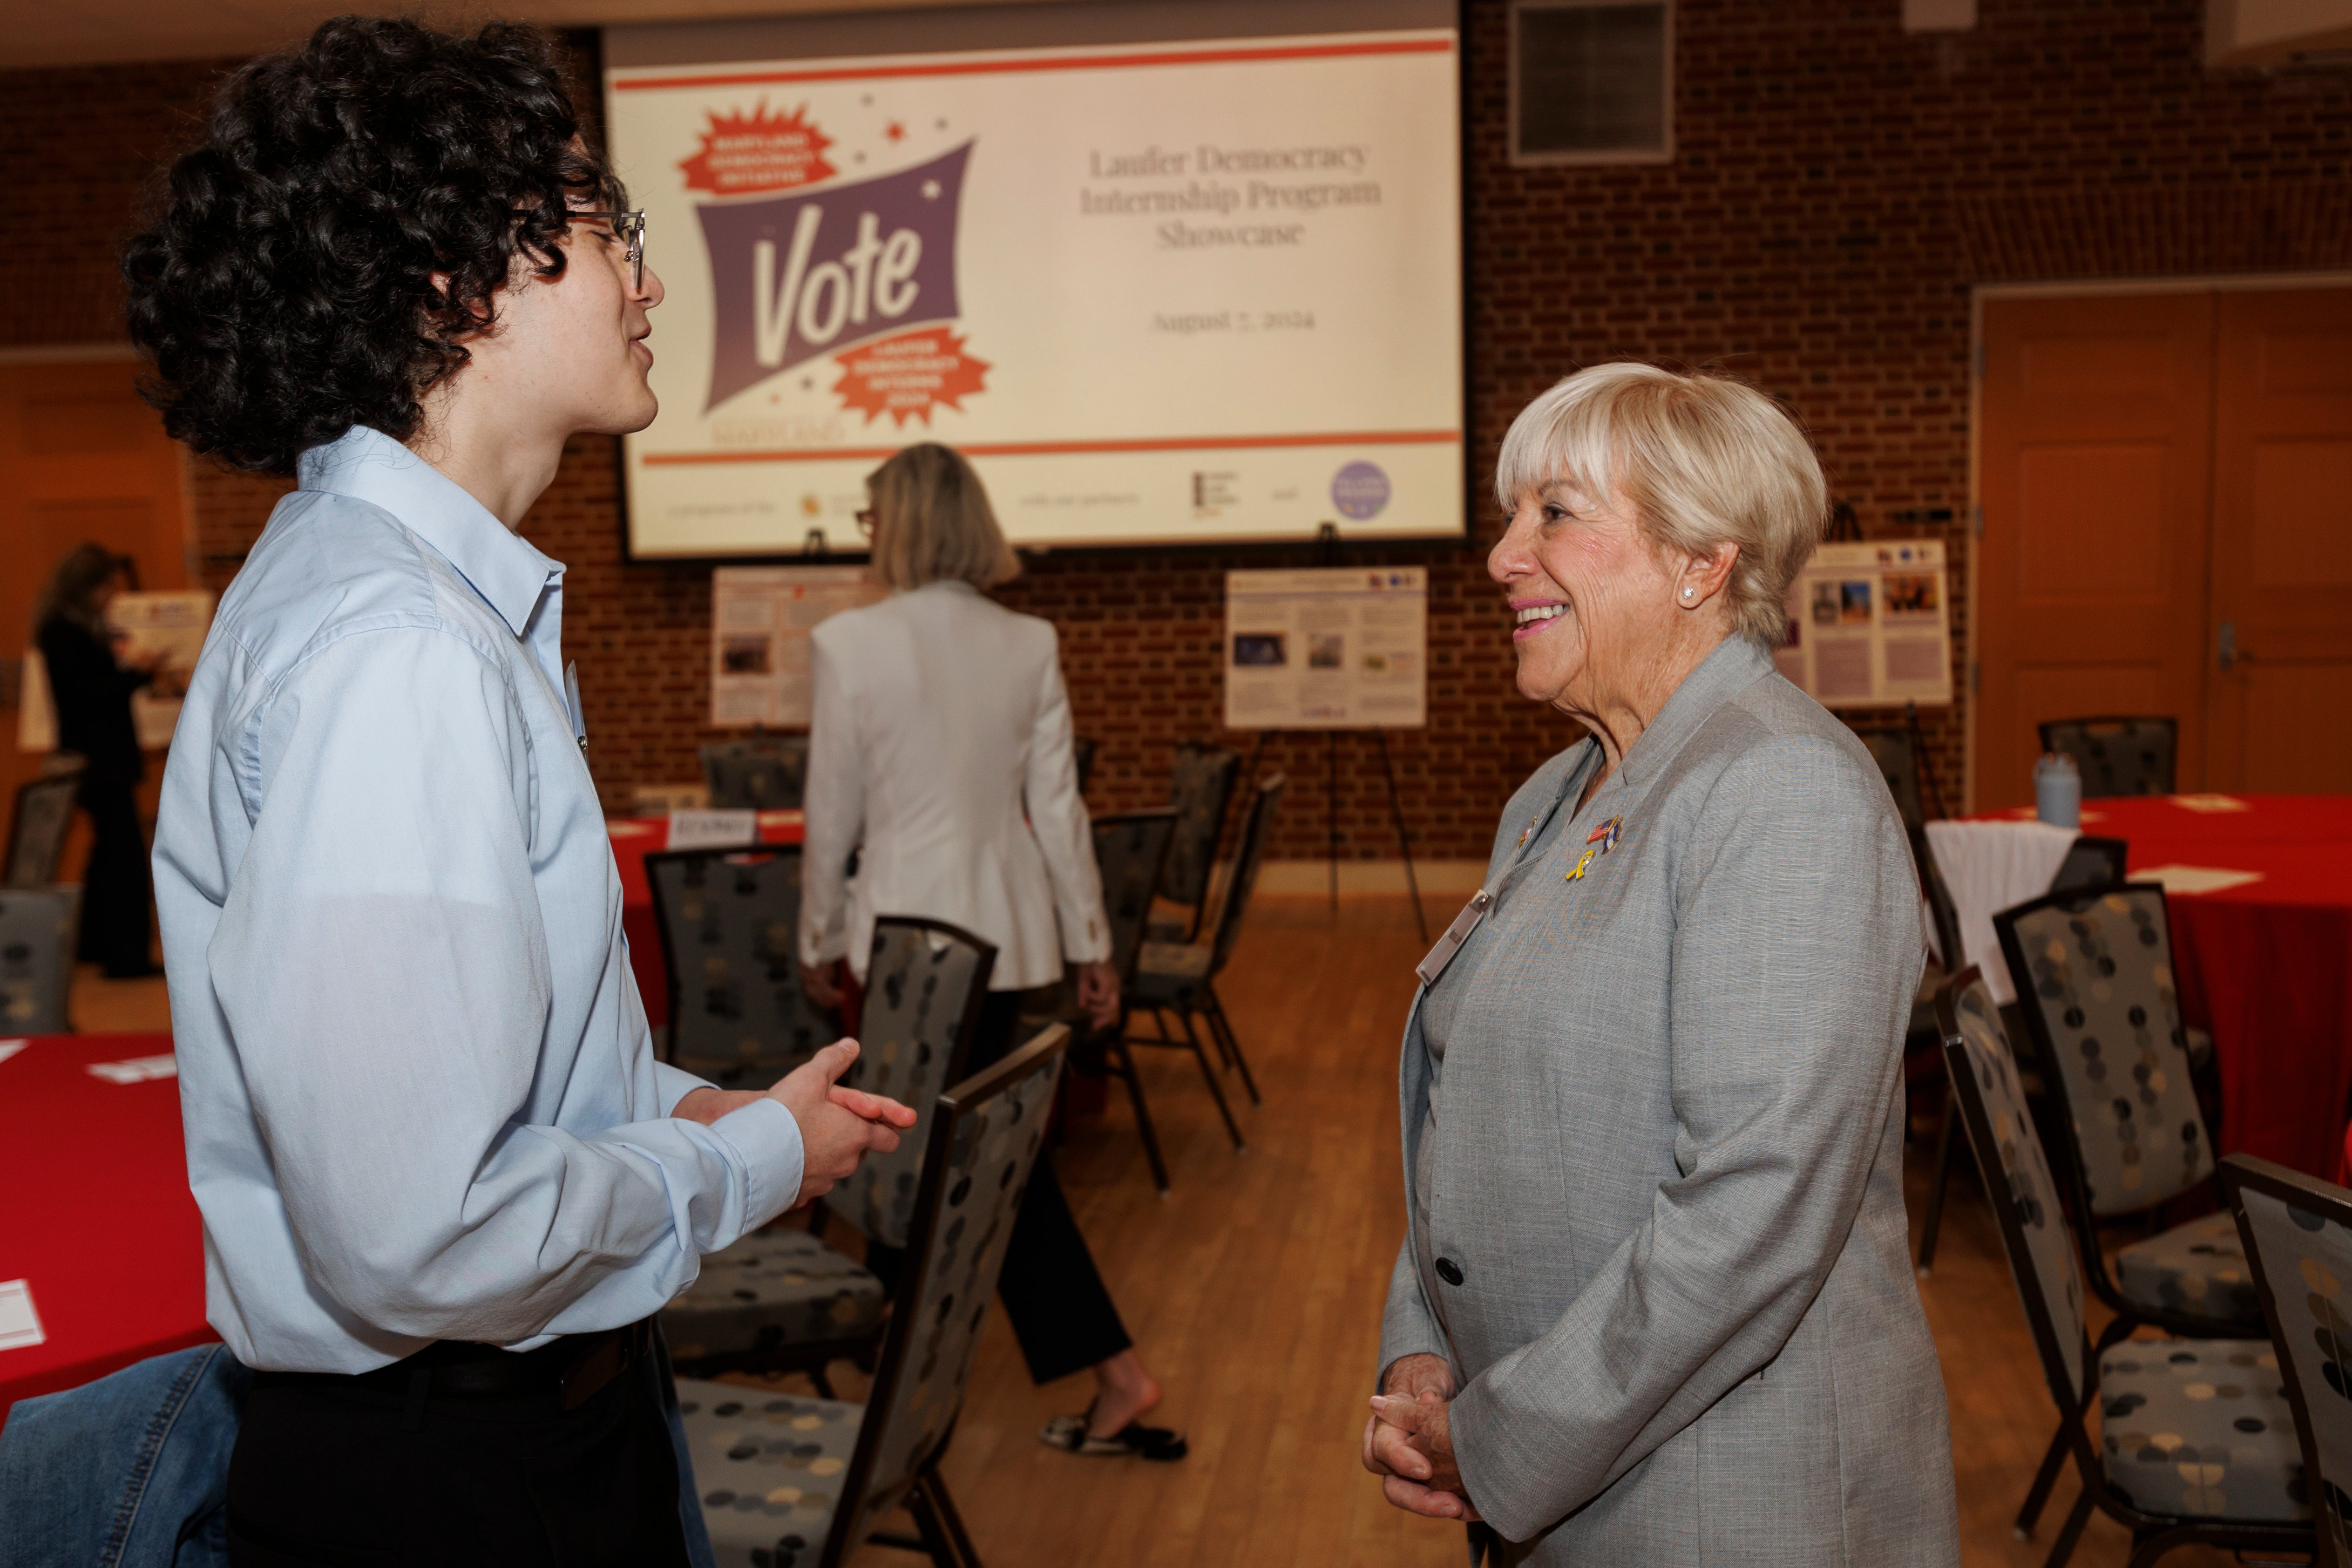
(2266, 966)
(633, 838)
(99, 1220)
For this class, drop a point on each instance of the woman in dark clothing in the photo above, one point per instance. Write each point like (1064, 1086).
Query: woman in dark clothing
(92, 694)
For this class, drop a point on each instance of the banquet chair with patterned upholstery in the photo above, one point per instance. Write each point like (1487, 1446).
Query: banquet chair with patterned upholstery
(770, 774)
(1201, 787)
(1180, 979)
(1130, 848)
(2297, 1232)
(2094, 967)
(2091, 863)
(729, 922)
(36, 947)
(2122, 755)
(42, 819)
(783, 1299)
(2195, 1442)
(789, 1483)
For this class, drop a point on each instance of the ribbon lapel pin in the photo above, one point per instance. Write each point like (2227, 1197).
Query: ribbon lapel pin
(1602, 840)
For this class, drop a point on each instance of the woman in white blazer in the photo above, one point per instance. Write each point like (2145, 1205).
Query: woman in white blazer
(940, 750)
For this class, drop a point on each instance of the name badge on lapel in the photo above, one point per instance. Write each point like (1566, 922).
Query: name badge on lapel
(1450, 943)
(1603, 840)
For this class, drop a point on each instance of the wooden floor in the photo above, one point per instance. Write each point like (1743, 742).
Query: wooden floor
(1253, 1290)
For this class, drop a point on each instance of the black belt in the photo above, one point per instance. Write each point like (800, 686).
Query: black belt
(575, 1368)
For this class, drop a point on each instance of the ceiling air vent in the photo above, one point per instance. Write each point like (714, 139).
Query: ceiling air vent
(1593, 82)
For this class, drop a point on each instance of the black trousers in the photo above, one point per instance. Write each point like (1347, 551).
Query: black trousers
(115, 893)
(330, 1472)
(1060, 1310)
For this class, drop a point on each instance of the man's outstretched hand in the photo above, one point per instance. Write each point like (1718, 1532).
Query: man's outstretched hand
(1408, 1443)
(839, 1126)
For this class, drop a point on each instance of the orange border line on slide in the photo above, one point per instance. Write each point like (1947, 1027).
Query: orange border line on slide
(1045, 63)
(1056, 449)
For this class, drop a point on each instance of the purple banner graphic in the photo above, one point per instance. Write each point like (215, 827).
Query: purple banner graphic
(809, 274)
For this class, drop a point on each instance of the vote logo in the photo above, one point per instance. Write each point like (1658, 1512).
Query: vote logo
(798, 277)
(1359, 491)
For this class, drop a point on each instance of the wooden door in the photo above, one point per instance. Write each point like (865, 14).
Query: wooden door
(2283, 545)
(81, 458)
(2095, 476)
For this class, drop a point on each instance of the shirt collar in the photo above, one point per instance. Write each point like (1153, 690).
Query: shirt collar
(1733, 666)
(503, 567)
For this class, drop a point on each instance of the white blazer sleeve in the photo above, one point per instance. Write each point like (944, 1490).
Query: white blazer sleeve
(833, 807)
(1058, 817)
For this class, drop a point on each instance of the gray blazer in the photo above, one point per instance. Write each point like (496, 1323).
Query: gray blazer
(1667, 1172)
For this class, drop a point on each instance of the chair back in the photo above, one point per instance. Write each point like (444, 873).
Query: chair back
(2119, 755)
(729, 923)
(1898, 763)
(2298, 1236)
(1200, 788)
(36, 831)
(37, 944)
(2091, 863)
(1251, 854)
(984, 1137)
(925, 984)
(2094, 973)
(2024, 1194)
(1129, 850)
(1082, 754)
(767, 775)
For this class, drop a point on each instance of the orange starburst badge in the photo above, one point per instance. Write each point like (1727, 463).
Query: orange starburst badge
(760, 151)
(908, 375)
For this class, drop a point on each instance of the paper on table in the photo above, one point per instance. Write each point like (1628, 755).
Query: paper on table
(10, 1047)
(2211, 803)
(713, 829)
(138, 1069)
(20, 1326)
(2196, 879)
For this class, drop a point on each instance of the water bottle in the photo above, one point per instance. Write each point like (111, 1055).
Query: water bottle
(2058, 791)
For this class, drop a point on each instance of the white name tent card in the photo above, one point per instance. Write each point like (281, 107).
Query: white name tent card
(713, 829)
(10, 1047)
(138, 1069)
(20, 1325)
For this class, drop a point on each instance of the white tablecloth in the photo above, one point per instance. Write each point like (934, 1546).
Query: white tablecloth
(1988, 866)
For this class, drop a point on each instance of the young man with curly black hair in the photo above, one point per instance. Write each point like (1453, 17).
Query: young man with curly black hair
(445, 1184)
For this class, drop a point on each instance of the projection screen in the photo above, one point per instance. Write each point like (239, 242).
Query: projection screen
(1162, 284)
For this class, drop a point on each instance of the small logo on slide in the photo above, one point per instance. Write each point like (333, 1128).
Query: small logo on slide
(1359, 491)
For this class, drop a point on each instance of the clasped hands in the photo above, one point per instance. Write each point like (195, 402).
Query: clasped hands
(1409, 1440)
(839, 1126)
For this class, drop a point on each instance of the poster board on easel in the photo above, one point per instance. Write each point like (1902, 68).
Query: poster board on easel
(1870, 625)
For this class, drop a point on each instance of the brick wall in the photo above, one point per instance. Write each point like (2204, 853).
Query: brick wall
(1838, 188)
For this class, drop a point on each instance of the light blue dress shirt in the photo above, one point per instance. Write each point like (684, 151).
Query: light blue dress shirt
(414, 1072)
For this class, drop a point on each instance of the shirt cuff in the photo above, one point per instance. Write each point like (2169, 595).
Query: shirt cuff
(768, 1140)
(672, 1084)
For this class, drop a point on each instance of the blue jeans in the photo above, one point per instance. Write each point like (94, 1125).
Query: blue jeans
(132, 1471)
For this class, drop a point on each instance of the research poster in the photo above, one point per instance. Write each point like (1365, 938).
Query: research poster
(1194, 292)
(1337, 648)
(761, 617)
(1871, 624)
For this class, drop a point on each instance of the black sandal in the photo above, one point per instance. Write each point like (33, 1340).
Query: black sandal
(1070, 1434)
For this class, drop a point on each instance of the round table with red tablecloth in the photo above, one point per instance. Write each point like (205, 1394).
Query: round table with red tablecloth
(2264, 964)
(633, 838)
(98, 1233)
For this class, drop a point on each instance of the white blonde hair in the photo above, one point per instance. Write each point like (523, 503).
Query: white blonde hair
(1704, 460)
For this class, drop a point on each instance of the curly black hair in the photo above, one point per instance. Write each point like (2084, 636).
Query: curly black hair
(284, 293)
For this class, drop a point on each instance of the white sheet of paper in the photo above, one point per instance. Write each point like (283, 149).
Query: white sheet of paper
(20, 1326)
(2196, 879)
(713, 829)
(10, 1047)
(2210, 803)
(138, 1069)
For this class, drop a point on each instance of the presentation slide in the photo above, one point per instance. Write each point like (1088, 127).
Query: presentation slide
(1188, 292)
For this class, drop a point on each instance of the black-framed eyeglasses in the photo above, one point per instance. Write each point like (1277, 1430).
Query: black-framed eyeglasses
(629, 228)
(865, 522)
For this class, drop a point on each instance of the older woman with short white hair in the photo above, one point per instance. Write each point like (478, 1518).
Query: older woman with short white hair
(1654, 1302)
